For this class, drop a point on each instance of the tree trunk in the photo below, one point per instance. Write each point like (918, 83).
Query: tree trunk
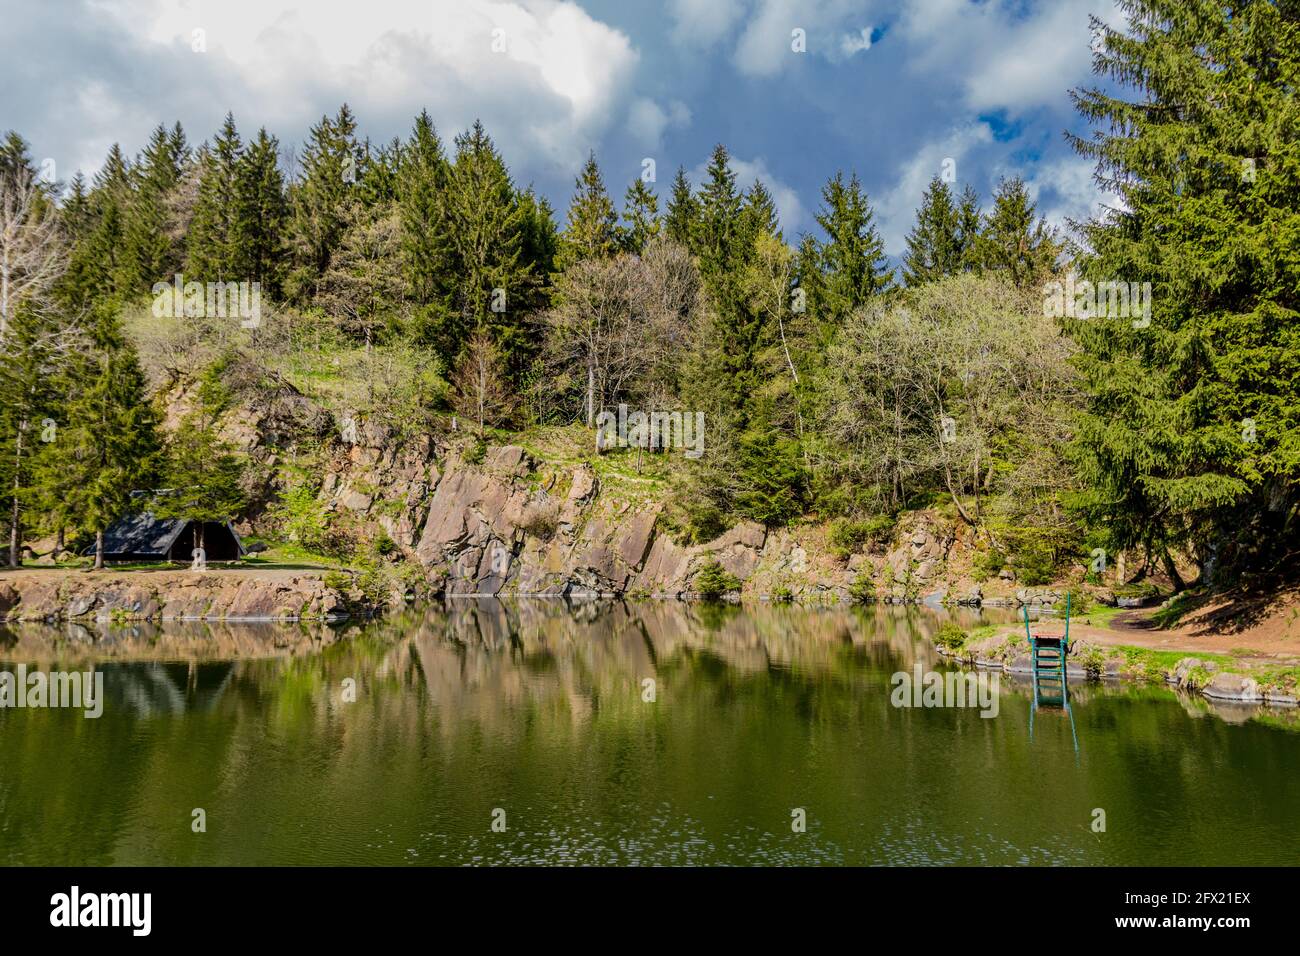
(58, 545)
(591, 396)
(482, 395)
(4, 293)
(15, 518)
(1172, 571)
(99, 550)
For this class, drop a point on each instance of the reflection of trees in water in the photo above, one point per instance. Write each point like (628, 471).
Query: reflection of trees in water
(490, 661)
(458, 709)
(173, 688)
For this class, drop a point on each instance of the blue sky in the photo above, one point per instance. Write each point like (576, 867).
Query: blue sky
(889, 90)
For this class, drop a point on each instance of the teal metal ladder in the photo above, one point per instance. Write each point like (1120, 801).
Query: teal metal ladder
(1048, 655)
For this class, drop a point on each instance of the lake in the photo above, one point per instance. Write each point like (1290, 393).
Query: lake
(651, 733)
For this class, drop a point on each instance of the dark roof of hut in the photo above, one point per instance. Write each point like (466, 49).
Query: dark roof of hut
(143, 534)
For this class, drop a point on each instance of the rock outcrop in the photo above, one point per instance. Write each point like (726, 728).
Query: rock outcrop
(495, 529)
(169, 596)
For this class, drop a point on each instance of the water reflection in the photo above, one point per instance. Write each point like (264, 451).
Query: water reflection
(540, 709)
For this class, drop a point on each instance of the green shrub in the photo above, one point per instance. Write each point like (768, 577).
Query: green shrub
(845, 537)
(782, 594)
(1093, 662)
(988, 564)
(301, 517)
(950, 636)
(711, 581)
(863, 589)
(383, 545)
(412, 578)
(338, 580)
(373, 585)
(848, 537)
(476, 452)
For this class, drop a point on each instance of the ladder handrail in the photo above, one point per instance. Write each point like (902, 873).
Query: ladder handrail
(1067, 621)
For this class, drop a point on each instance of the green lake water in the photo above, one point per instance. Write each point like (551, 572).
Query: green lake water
(535, 715)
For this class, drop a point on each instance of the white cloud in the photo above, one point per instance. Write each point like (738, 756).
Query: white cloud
(760, 32)
(1065, 190)
(702, 23)
(852, 43)
(647, 120)
(766, 46)
(1001, 56)
(544, 76)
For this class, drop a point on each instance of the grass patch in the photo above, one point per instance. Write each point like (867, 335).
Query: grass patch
(1099, 615)
(1152, 665)
(982, 632)
(288, 554)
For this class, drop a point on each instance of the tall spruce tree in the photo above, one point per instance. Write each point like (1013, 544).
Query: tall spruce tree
(213, 253)
(969, 220)
(322, 197)
(487, 225)
(426, 247)
(1014, 239)
(592, 228)
(1190, 437)
(934, 246)
(640, 216)
(150, 255)
(752, 469)
(261, 214)
(682, 211)
(852, 259)
(112, 438)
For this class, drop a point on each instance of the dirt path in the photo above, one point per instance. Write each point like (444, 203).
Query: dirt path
(1267, 628)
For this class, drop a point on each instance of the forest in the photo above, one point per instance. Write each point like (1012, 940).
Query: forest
(835, 385)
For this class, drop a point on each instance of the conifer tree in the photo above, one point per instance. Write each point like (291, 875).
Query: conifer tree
(487, 227)
(682, 211)
(641, 215)
(969, 219)
(30, 360)
(758, 217)
(214, 253)
(330, 165)
(426, 248)
(112, 436)
(261, 215)
(201, 472)
(934, 246)
(592, 228)
(113, 181)
(540, 242)
(96, 267)
(851, 260)
(1014, 239)
(77, 213)
(150, 255)
(1189, 440)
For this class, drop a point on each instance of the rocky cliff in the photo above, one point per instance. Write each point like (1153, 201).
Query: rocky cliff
(505, 521)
